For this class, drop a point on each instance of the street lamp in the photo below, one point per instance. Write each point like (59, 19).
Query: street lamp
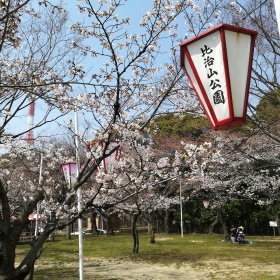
(71, 172)
(277, 10)
(218, 64)
(38, 204)
(181, 208)
(181, 203)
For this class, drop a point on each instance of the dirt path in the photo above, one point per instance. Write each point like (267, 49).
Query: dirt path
(127, 270)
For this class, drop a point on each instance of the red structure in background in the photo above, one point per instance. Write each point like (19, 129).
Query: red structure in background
(107, 164)
(29, 134)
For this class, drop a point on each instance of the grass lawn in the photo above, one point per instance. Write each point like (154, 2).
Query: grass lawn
(60, 259)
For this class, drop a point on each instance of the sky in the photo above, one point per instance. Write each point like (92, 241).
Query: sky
(132, 9)
(135, 10)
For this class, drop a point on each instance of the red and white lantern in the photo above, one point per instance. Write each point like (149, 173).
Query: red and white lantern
(70, 172)
(107, 164)
(37, 217)
(218, 64)
(205, 203)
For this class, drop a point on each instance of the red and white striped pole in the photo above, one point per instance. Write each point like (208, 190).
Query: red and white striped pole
(29, 134)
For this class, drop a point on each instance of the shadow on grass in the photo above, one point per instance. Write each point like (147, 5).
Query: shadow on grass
(62, 273)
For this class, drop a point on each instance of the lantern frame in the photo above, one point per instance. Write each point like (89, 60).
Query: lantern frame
(188, 64)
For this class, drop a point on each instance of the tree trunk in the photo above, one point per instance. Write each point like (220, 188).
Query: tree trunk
(151, 233)
(168, 221)
(93, 216)
(215, 222)
(68, 232)
(110, 226)
(31, 273)
(226, 230)
(7, 258)
(9, 237)
(134, 232)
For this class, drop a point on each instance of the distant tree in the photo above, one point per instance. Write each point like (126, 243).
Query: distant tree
(184, 125)
(268, 111)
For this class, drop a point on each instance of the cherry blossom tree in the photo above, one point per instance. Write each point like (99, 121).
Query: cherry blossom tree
(33, 65)
(128, 77)
(32, 68)
(261, 17)
(240, 178)
(256, 144)
(139, 177)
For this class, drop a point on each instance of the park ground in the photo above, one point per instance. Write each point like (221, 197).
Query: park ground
(192, 257)
(214, 269)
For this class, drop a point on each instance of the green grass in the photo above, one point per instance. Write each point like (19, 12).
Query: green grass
(60, 259)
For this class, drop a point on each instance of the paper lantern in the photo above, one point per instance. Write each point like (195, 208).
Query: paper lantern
(70, 172)
(107, 164)
(218, 64)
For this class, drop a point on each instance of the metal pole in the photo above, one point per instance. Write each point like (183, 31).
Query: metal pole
(80, 225)
(277, 10)
(181, 208)
(38, 204)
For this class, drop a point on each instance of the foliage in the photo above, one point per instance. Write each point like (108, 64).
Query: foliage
(259, 223)
(268, 108)
(182, 125)
(196, 219)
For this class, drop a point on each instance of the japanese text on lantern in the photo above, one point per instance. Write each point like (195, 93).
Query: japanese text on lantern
(218, 95)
